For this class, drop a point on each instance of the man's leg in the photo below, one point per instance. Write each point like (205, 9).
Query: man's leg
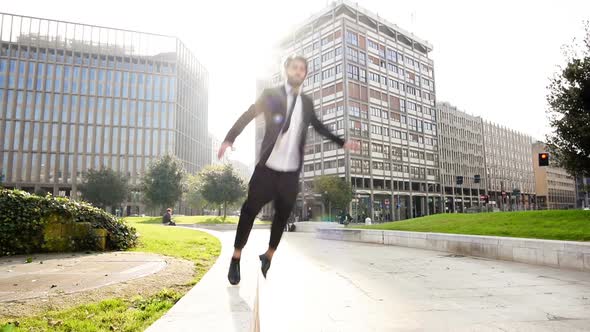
(260, 191)
(284, 203)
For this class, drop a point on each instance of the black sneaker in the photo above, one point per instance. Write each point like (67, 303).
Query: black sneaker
(234, 271)
(264, 264)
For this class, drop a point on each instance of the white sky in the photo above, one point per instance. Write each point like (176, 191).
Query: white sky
(491, 58)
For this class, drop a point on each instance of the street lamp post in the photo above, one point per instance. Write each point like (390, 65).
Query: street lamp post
(357, 205)
(329, 206)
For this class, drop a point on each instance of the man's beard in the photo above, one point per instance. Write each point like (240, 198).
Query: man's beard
(294, 82)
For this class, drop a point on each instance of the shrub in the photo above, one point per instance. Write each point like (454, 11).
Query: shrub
(23, 218)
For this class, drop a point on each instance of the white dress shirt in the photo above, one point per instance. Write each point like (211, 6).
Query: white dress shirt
(285, 154)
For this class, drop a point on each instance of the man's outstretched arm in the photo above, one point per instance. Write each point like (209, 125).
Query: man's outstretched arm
(240, 124)
(324, 131)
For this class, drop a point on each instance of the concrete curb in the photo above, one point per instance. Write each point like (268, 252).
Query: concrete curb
(559, 254)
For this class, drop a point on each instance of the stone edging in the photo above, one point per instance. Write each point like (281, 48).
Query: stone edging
(559, 254)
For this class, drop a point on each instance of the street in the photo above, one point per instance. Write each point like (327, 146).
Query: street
(320, 285)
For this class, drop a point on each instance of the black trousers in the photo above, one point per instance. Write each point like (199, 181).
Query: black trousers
(268, 185)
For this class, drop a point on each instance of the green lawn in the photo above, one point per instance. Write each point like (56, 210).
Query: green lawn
(573, 225)
(133, 314)
(191, 220)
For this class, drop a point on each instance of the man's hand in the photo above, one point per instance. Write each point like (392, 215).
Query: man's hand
(224, 146)
(352, 145)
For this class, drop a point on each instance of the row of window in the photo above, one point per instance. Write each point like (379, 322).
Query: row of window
(355, 73)
(362, 166)
(324, 41)
(91, 110)
(50, 167)
(68, 137)
(385, 53)
(84, 81)
(395, 151)
(94, 60)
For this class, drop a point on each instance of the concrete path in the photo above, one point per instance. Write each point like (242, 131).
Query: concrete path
(322, 285)
(69, 273)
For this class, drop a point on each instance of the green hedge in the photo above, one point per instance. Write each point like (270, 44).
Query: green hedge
(23, 217)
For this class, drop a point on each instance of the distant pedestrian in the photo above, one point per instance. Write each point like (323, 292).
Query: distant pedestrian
(167, 218)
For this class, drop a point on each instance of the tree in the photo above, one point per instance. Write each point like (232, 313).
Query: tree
(104, 187)
(162, 184)
(569, 112)
(335, 191)
(193, 196)
(220, 185)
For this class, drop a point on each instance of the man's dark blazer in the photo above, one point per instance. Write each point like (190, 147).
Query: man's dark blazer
(273, 105)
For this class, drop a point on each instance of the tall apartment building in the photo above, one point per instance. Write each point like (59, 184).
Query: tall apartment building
(75, 97)
(372, 82)
(509, 170)
(461, 153)
(555, 188)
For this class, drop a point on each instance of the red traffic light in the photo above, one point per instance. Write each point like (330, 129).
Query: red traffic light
(543, 159)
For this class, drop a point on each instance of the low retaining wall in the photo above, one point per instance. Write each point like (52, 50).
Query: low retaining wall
(223, 227)
(559, 254)
(313, 226)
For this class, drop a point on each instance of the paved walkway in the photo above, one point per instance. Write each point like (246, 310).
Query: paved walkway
(321, 285)
(51, 274)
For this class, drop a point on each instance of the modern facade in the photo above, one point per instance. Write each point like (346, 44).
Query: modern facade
(372, 82)
(555, 188)
(509, 170)
(461, 153)
(76, 96)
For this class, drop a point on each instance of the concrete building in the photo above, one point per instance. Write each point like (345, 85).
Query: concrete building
(461, 153)
(509, 171)
(555, 188)
(372, 82)
(76, 96)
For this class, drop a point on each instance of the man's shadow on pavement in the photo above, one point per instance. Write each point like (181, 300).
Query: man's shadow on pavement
(241, 310)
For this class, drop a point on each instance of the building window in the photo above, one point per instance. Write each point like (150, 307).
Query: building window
(352, 38)
(373, 77)
(353, 72)
(328, 73)
(372, 44)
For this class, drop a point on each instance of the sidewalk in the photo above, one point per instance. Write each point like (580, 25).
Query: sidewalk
(328, 286)
(215, 305)
(56, 274)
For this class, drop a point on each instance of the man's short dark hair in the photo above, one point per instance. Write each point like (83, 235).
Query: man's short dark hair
(296, 58)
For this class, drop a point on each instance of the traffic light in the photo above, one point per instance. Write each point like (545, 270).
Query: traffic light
(459, 179)
(543, 159)
(477, 178)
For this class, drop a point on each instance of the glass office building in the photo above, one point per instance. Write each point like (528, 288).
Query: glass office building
(75, 97)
